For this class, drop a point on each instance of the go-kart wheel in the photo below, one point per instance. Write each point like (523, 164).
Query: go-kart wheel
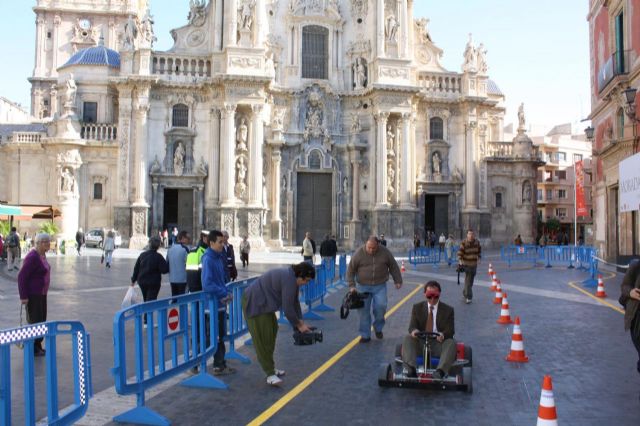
(467, 379)
(385, 375)
(468, 355)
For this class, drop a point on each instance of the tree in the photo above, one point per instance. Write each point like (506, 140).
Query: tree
(49, 228)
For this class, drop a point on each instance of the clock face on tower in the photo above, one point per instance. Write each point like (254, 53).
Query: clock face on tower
(85, 24)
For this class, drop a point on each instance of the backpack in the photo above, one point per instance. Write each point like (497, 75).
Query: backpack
(13, 240)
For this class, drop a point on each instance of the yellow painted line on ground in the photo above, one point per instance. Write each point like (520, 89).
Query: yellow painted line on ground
(602, 301)
(279, 404)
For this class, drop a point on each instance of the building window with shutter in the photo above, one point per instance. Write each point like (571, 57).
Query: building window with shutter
(180, 116)
(436, 128)
(315, 52)
(90, 112)
(498, 199)
(97, 191)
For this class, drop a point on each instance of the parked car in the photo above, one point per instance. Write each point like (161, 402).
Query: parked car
(95, 238)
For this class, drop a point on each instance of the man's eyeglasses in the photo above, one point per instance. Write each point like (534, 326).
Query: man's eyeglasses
(431, 296)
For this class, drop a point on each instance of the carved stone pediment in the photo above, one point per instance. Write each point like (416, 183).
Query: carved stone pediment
(193, 38)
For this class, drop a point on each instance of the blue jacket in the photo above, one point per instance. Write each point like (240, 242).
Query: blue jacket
(215, 274)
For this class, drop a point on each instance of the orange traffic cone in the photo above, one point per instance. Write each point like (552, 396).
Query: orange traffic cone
(505, 316)
(494, 283)
(498, 299)
(491, 270)
(402, 268)
(517, 346)
(600, 291)
(547, 415)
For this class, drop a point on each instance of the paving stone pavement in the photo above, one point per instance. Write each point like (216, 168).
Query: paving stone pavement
(578, 341)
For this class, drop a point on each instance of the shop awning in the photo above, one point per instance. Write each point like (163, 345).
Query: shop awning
(7, 210)
(31, 211)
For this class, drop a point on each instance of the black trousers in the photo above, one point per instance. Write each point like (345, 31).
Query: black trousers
(635, 335)
(149, 292)
(178, 288)
(244, 257)
(218, 357)
(37, 312)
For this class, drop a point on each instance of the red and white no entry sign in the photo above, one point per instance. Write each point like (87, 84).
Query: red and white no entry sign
(173, 319)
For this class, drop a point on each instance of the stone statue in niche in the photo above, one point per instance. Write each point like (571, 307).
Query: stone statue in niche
(360, 73)
(178, 159)
(470, 56)
(130, 33)
(437, 163)
(241, 136)
(521, 119)
(391, 28)
(526, 192)
(314, 117)
(197, 13)
(345, 185)
(482, 59)
(155, 166)
(203, 168)
(245, 14)
(241, 175)
(423, 32)
(146, 29)
(355, 123)
(391, 176)
(391, 141)
(66, 180)
(70, 92)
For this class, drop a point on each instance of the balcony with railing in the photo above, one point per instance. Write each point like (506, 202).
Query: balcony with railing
(22, 137)
(500, 149)
(101, 132)
(616, 65)
(440, 84)
(181, 67)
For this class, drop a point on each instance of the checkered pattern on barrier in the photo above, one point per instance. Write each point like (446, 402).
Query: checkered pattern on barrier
(25, 333)
(81, 372)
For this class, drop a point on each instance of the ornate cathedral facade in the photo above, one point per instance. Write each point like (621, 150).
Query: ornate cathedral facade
(267, 118)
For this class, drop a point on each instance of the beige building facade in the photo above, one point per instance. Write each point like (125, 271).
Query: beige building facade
(268, 119)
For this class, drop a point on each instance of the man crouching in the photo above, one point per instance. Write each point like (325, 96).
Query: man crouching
(436, 317)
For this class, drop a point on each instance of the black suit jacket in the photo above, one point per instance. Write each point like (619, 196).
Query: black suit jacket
(444, 318)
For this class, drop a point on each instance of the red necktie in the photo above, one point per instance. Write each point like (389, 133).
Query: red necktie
(429, 327)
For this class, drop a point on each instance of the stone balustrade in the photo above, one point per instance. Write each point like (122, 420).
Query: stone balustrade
(180, 66)
(500, 149)
(25, 137)
(443, 84)
(99, 132)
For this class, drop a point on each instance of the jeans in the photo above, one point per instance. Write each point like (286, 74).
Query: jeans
(108, 256)
(377, 298)
(218, 357)
(469, 276)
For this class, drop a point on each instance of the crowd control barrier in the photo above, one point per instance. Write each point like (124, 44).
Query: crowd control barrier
(313, 292)
(237, 324)
(519, 254)
(179, 344)
(80, 351)
(424, 256)
(342, 272)
(329, 271)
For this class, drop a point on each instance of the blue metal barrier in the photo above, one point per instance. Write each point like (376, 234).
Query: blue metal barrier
(454, 255)
(519, 254)
(181, 325)
(80, 351)
(237, 325)
(342, 271)
(559, 255)
(424, 256)
(592, 281)
(321, 277)
(314, 292)
(330, 271)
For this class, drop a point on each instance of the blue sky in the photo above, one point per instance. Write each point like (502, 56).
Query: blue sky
(538, 51)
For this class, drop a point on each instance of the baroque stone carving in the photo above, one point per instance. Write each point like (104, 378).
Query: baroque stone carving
(241, 175)
(147, 36)
(437, 163)
(314, 125)
(422, 30)
(521, 117)
(178, 159)
(244, 62)
(391, 28)
(138, 222)
(67, 181)
(359, 8)
(254, 224)
(245, 14)
(241, 136)
(394, 72)
(360, 73)
(130, 35)
(227, 221)
(197, 13)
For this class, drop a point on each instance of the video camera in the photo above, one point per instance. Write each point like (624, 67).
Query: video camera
(309, 338)
(352, 300)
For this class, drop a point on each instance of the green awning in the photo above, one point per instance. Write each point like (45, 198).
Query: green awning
(8, 210)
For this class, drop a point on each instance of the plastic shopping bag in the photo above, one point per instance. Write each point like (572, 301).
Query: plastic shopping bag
(133, 297)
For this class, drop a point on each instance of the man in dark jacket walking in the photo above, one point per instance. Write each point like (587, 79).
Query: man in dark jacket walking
(148, 271)
(79, 240)
(469, 255)
(328, 249)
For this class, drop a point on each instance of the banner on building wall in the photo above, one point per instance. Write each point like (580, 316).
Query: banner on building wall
(581, 205)
(629, 189)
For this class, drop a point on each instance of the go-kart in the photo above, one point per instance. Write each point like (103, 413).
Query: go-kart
(459, 377)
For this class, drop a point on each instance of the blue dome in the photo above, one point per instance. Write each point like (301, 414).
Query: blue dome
(96, 55)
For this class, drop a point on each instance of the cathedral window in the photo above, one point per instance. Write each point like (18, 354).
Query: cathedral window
(436, 128)
(498, 199)
(315, 52)
(97, 191)
(180, 116)
(90, 112)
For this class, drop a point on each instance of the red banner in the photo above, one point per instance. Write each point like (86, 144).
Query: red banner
(581, 205)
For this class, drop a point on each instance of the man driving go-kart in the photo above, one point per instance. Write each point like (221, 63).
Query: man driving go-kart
(431, 316)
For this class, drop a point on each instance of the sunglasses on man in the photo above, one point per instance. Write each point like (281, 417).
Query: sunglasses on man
(431, 296)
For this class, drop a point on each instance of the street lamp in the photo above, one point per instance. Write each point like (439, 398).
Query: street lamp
(630, 110)
(589, 133)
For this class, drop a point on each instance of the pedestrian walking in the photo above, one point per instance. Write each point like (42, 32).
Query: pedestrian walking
(275, 290)
(382, 240)
(33, 285)
(307, 248)
(174, 236)
(215, 275)
(148, 271)
(328, 250)
(177, 260)
(165, 238)
(469, 255)
(441, 241)
(245, 248)
(448, 249)
(194, 263)
(108, 248)
(79, 240)
(13, 250)
(630, 299)
(416, 241)
(368, 272)
(518, 240)
(231, 257)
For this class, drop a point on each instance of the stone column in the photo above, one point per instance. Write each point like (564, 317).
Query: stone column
(381, 159)
(53, 101)
(232, 22)
(155, 209)
(54, 44)
(471, 187)
(380, 22)
(355, 185)
(213, 158)
(260, 23)
(140, 170)
(227, 155)
(406, 170)
(255, 157)
(218, 24)
(276, 221)
(124, 143)
(404, 30)
(40, 44)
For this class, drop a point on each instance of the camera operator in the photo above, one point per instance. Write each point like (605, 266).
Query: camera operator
(469, 256)
(277, 289)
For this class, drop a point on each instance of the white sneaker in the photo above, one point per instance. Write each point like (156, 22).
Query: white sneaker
(468, 301)
(280, 373)
(274, 380)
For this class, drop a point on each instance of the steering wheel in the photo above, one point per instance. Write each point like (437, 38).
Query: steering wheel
(427, 335)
